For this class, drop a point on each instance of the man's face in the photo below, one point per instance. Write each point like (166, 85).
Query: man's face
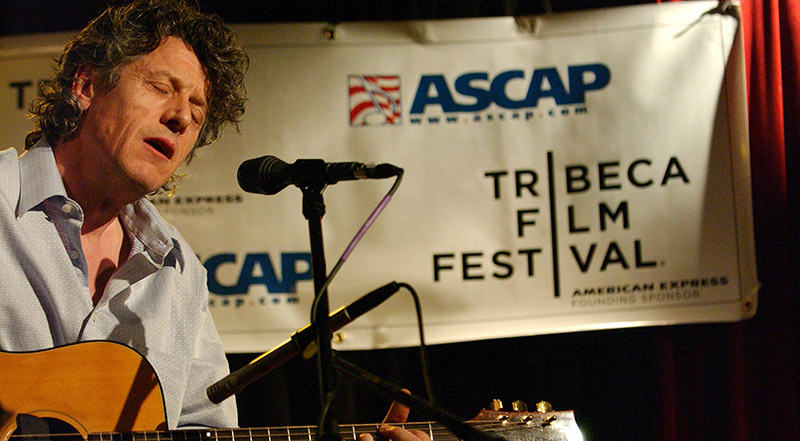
(141, 130)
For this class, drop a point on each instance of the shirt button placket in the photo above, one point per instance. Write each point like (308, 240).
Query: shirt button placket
(74, 254)
(73, 234)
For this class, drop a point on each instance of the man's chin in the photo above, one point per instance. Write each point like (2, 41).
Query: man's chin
(146, 181)
(142, 188)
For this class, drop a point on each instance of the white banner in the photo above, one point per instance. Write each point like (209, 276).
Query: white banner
(565, 172)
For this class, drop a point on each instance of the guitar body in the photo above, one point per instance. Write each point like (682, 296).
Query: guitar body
(94, 387)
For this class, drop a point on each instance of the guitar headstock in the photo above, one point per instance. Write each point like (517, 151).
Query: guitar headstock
(520, 424)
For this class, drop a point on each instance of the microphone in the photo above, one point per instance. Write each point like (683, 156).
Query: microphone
(303, 341)
(269, 175)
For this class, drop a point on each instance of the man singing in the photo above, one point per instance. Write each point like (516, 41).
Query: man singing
(84, 255)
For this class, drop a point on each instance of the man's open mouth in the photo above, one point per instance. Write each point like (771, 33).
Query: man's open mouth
(161, 146)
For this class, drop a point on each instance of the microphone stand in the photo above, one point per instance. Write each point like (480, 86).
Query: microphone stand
(313, 211)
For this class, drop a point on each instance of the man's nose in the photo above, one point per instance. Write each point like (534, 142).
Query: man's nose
(178, 114)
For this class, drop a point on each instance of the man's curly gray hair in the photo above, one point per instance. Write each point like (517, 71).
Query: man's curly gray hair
(122, 34)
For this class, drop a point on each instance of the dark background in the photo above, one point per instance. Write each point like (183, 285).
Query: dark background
(711, 381)
(35, 16)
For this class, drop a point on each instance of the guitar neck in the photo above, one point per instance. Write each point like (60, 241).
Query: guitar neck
(509, 426)
(288, 433)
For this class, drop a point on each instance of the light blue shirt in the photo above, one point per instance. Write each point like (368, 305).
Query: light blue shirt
(156, 302)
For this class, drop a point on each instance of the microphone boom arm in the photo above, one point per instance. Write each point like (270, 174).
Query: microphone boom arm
(303, 341)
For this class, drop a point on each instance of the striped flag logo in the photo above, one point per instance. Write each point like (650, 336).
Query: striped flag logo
(374, 100)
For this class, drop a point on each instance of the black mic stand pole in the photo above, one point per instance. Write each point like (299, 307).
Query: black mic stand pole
(313, 210)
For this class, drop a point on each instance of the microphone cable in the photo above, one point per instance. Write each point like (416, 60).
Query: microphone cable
(424, 365)
(357, 238)
(423, 359)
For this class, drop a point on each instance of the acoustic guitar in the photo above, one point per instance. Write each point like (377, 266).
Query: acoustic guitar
(44, 397)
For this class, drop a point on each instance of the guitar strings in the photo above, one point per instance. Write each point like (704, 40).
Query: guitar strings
(437, 432)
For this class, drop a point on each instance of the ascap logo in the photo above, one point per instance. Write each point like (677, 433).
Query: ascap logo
(256, 269)
(374, 100)
(514, 93)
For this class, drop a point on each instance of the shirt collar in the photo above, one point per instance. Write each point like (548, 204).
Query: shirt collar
(41, 180)
(159, 239)
(39, 177)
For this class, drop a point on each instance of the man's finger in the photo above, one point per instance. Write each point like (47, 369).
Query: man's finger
(395, 433)
(398, 413)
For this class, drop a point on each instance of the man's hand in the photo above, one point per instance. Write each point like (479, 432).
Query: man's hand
(398, 413)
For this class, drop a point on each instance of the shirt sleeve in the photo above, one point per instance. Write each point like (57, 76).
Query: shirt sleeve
(207, 367)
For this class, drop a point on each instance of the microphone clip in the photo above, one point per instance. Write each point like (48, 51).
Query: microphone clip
(312, 173)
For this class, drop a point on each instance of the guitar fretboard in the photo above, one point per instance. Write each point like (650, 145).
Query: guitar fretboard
(288, 433)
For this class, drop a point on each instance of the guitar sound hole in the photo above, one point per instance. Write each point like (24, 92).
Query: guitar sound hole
(61, 430)
(32, 428)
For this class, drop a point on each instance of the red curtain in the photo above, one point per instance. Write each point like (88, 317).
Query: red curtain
(757, 394)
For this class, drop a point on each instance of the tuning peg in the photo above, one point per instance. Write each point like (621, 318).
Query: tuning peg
(496, 405)
(519, 406)
(544, 406)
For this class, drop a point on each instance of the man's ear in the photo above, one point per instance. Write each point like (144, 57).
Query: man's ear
(83, 87)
